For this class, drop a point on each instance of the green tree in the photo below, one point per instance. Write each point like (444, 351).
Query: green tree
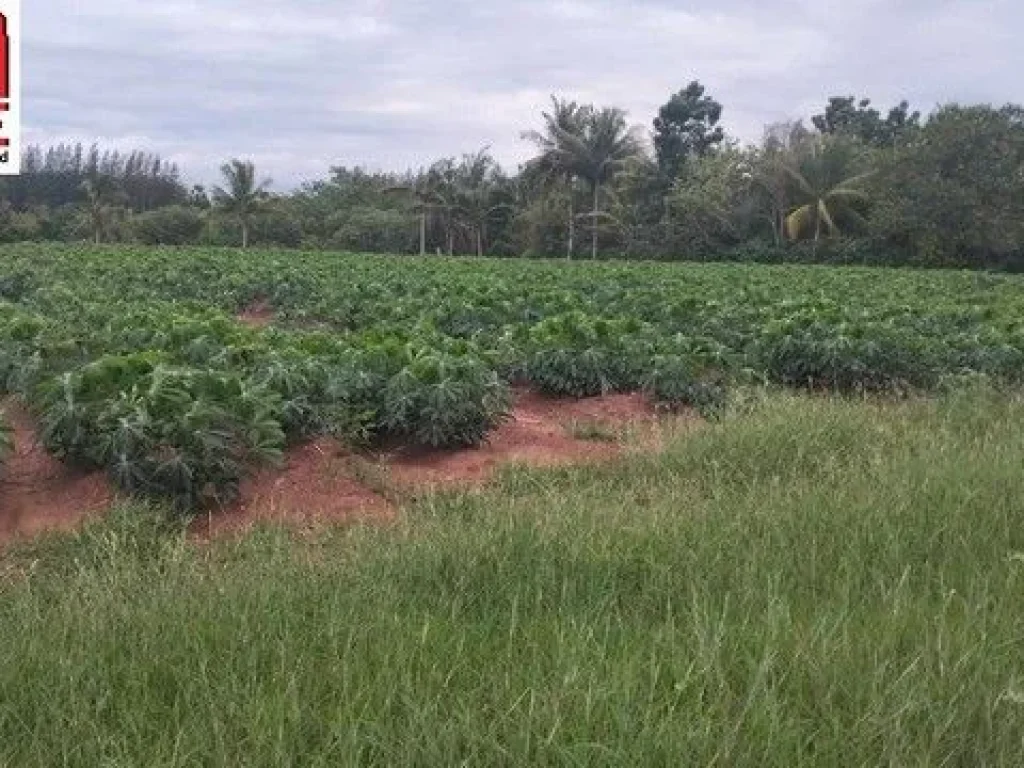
(638, 204)
(243, 197)
(955, 194)
(847, 116)
(771, 183)
(438, 193)
(478, 181)
(598, 148)
(711, 205)
(686, 126)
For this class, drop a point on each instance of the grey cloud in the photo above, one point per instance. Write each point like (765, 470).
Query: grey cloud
(302, 85)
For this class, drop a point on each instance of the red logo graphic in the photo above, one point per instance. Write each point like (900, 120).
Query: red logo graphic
(5, 60)
(5, 74)
(10, 87)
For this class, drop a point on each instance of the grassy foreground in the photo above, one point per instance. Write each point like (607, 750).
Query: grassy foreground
(814, 582)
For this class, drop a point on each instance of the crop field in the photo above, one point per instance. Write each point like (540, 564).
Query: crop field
(826, 570)
(148, 364)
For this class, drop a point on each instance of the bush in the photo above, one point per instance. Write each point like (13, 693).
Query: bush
(175, 433)
(442, 400)
(373, 230)
(173, 225)
(16, 226)
(846, 363)
(673, 384)
(277, 227)
(581, 356)
(269, 227)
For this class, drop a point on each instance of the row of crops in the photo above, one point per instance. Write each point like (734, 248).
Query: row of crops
(133, 359)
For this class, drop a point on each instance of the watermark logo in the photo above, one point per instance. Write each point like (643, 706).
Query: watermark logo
(10, 87)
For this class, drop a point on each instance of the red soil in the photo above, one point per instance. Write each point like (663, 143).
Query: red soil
(313, 487)
(317, 484)
(259, 314)
(539, 434)
(39, 493)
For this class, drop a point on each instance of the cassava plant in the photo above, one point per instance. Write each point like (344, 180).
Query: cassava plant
(442, 400)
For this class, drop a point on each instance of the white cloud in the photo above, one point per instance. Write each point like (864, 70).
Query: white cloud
(305, 84)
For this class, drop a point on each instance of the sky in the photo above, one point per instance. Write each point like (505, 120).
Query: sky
(299, 86)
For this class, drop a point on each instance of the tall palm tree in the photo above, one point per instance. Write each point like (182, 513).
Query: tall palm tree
(828, 189)
(603, 146)
(100, 201)
(418, 204)
(476, 185)
(438, 191)
(243, 196)
(565, 117)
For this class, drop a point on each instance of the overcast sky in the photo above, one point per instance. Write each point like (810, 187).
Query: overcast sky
(300, 85)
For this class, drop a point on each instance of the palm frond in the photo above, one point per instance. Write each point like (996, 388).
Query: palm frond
(798, 221)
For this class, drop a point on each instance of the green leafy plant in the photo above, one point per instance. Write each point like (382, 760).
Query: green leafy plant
(440, 400)
(673, 384)
(175, 433)
(6, 437)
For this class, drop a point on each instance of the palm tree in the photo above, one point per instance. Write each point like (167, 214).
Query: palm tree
(829, 193)
(565, 117)
(420, 206)
(100, 193)
(601, 146)
(769, 178)
(477, 182)
(243, 196)
(437, 191)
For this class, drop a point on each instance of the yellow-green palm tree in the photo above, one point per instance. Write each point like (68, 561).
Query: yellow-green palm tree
(827, 188)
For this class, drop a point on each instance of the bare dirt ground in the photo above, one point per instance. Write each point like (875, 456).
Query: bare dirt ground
(321, 483)
(38, 492)
(543, 432)
(314, 486)
(259, 314)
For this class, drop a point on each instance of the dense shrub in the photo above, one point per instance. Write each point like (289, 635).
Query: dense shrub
(441, 400)
(825, 359)
(673, 383)
(173, 225)
(378, 230)
(580, 356)
(182, 434)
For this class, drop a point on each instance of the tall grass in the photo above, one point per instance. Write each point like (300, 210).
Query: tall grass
(812, 583)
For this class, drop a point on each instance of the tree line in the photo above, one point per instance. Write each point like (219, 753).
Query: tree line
(856, 184)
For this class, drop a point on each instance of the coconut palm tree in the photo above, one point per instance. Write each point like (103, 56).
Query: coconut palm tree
(553, 164)
(828, 190)
(243, 197)
(602, 145)
(770, 181)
